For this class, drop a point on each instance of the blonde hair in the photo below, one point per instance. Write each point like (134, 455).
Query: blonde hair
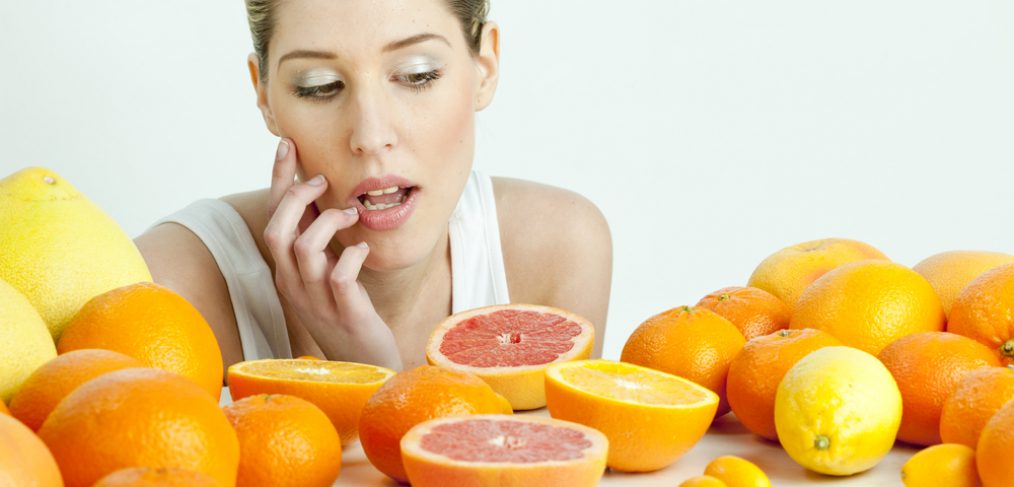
(260, 15)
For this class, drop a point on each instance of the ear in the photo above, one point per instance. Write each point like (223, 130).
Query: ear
(488, 63)
(261, 88)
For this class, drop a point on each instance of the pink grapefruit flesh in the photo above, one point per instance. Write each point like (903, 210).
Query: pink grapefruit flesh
(527, 451)
(509, 346)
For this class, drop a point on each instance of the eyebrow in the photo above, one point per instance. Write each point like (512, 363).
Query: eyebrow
(392, 46)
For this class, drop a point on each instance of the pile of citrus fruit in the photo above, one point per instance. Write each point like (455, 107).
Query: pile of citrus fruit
(831, 350)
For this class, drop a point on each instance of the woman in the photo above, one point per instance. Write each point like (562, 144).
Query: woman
(375, 227)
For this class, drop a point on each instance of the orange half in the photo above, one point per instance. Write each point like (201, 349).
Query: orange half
(650, 417)
(340, 389)
(510, 346)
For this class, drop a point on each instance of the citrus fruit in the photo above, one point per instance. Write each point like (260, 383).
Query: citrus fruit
(650, 417)
(509, 347)
(950, 272)
(755, 372)
(157, 477)
(927, 368)
(340, 389)
(789, 271)
(993, 452)
(983, 311)
(981, 393)
(947, 464)
(837, 411)
(3, 409)
(411, 397)
(152, 324)
(755, 312)
(503, 450)
(55, 379)
(60, 250)
(136, 417)
(737, 472)
(869, 304)
(703, 481)
(694, 343)
(24, 459)
(284, 441)
(25, 343)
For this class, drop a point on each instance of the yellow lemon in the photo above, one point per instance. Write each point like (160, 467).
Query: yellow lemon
(25, 343)
(837, 411)
(950, 464)
(703, 481)
(737, 472)
(59, 249)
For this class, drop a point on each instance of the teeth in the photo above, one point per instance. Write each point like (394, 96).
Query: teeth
(378, 192)
(372, 207)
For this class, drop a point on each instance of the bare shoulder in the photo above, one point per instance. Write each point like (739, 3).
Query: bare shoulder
(253, 207)
(557, 249)
(179, 259)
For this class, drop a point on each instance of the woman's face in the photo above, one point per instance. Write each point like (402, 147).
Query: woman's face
(379, 97)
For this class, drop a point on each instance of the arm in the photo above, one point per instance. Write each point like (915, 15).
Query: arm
(557, 250)
(179, 261)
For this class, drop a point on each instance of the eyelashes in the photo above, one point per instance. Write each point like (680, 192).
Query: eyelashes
(416, 82)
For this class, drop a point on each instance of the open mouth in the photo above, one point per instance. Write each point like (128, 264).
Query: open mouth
(383, 199)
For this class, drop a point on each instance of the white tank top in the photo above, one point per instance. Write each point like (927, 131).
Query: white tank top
(477, 270)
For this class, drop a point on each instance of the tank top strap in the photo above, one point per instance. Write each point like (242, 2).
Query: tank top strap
(477, 269)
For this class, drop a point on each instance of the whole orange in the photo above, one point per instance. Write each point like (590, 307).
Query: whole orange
(284, 441)
(411, 397)
(755, 372)
(152, 324)
(928, 367)
(993, 452)
(24, 459)
(950, 272)
(788, 272)
(136, 417)
(869, 304)
(755, 312)
(157, 477)
(693, 343)
(981, 393)
(44, 389)
(983, 311)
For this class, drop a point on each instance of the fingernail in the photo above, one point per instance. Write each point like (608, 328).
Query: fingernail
(283, 149)
(316, 181)
(363, 246)
(351, 211)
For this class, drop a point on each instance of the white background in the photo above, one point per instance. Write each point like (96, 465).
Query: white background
(710, 133)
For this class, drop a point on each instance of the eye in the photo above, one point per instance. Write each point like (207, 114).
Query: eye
(320, 92)
(419, 81)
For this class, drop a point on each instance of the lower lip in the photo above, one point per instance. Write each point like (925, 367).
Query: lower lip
(391, 218)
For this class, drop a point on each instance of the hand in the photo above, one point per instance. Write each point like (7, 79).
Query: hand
(323, 288)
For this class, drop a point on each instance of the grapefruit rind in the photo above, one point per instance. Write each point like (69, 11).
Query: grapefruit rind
(522, 385)
(643, 436)
(426, 468)
(341, 398)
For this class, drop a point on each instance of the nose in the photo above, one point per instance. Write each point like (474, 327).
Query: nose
(372, 130)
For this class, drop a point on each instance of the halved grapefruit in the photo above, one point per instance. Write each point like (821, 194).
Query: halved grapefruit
(509, 346)
(340, 389)
(503, 450)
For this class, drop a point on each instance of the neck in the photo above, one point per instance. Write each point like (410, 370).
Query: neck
(396, 293)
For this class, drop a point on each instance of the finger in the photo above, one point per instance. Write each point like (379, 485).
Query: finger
(283, 174)
(345, 284)
(313, 255)
(281, 231)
